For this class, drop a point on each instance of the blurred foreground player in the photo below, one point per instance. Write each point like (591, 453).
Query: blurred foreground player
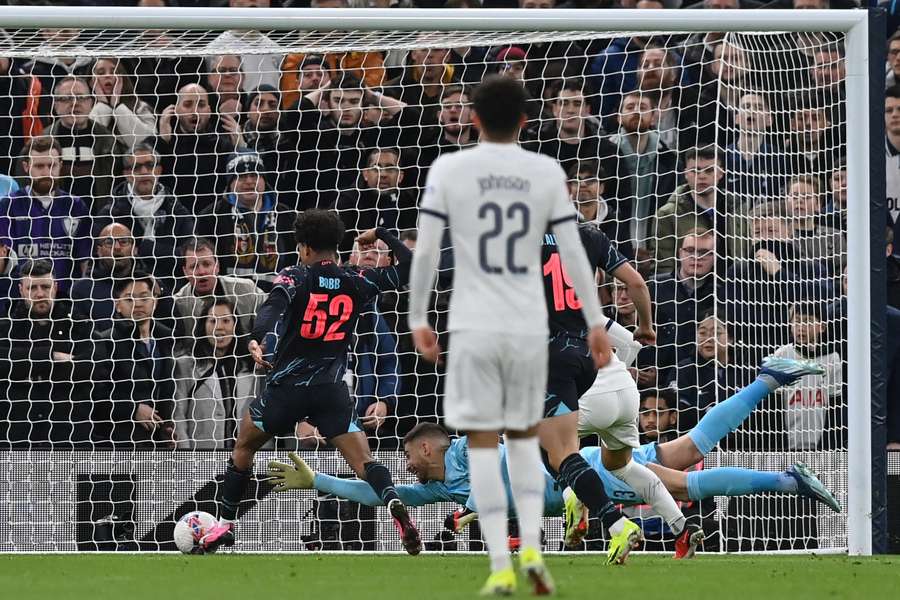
(315, 305)
(498, 200)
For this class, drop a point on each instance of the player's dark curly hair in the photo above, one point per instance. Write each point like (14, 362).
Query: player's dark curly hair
(321, 230)
(500, 102)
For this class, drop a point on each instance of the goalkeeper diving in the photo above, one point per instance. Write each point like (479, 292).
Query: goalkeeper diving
(441, 464)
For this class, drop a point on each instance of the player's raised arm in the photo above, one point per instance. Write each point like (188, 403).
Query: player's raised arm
(432, 220)
(392, 277)
(576, 263)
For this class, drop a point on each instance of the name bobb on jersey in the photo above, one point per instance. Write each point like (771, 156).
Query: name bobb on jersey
(322, 303)
(571, 370)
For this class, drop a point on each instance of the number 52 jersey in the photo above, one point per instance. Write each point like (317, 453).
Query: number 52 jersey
(319, 306)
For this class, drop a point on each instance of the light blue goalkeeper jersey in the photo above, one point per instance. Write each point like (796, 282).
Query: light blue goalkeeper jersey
(456, 488)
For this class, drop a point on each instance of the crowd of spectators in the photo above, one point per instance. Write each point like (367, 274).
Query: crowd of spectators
(149, 202)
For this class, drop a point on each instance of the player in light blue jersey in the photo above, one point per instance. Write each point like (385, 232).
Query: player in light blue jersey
(442, 468)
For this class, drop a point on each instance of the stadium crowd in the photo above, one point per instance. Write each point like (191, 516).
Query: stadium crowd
(148, 204)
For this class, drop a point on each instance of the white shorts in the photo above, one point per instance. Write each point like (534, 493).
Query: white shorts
(495, 382)
(612, 415)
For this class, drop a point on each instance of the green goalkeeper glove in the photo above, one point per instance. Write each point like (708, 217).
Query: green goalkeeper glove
(291, 477)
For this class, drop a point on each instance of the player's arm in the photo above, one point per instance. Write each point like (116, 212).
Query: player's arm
(575, 261)
(300, 476)
(393, 277)
(432, 221)
(271, 311)
(640, 295)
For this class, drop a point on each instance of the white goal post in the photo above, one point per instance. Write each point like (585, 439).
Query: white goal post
(368, 26)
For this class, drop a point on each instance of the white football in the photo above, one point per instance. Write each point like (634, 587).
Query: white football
(190, 528)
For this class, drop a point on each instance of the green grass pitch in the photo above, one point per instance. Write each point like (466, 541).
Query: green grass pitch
(434, 577)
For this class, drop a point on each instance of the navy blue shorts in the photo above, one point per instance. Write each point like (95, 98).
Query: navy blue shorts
(284, 404)
(571, 374)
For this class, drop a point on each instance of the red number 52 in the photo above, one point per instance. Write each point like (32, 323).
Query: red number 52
(315, 319)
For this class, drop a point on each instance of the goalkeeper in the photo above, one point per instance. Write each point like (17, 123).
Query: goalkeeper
(441, 464)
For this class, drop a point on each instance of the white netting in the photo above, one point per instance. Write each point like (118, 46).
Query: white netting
(165, 137)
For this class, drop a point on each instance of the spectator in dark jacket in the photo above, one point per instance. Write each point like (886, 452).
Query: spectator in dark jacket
(378, 201)
(253, 231)
(42, 221)
(422, 81)
(658, 420)
(143, 369)
(159, 222)
(50, 364)
(192, 147)
(90, 151)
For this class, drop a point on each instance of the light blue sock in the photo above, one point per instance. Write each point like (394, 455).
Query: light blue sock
(734, 481)
(726, 416)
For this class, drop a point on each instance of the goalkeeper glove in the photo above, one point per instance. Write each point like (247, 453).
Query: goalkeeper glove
(291, 477)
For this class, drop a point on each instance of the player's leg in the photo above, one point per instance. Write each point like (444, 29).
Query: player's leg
(473, 403)
(237, 476)
(354, 447)
(728, 415)
(333, 412)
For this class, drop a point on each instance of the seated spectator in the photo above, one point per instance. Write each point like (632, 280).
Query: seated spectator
(836, 205)
(647, 163)
(378, 201)
(192, 147)
(829, 71)
(89, 150)
(683, 296)
(50, 365)
(260, 69)
(707, 375)
(426, 73)
(615, 70)
(658, 75)
(215, 382)
(658, 420)
(805, 199)
(751, 165)
(759, 290)
(512, 61)
(92, 295)
(892, 151)
(813, 140)
(201, 270)
(225, 79)
(156, 218)
(699, 203)
(374, 356)
(893, 59)
(265, 133)
(813, 410)
(117, 107)
(252, 230)
(586, 186)
(139, 413)
(16, 124)
(455, 130)
(43, 221)
(333, 142)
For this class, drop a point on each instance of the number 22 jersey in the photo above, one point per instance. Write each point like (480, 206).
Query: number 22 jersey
(318, 306)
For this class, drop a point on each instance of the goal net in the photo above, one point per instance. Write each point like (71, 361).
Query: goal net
(715, 161)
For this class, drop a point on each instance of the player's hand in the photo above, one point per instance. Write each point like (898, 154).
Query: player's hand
(367, 239)
(426, 342)
(148, 418)
(601, 349)
(257, 351)
(298, 476)
(375, 415)
(645, 335)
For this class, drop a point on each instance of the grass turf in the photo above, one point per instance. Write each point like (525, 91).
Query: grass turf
(434, 577)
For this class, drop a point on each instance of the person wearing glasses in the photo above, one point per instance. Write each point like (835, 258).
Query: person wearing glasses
(157, 220)
(89, 149)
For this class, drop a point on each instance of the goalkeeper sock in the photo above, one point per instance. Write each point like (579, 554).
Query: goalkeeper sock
(727, 416)
(378, 476)
(649, 487)
(486, 480)
(588, 486)
(526, 478)
(233, 489)
(734, 481)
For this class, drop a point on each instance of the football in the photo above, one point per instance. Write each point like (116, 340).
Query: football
(190, 528)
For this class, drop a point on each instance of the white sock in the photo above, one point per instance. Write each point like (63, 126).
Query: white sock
(490, 502)
(526, 478)
(651, 489)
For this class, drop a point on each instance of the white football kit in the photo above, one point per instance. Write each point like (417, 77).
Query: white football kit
(497, 200)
